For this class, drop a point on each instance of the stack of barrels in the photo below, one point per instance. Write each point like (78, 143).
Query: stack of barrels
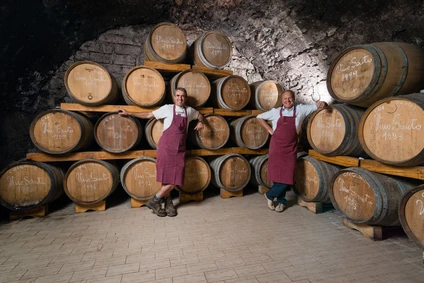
(90, 181)
(379, 114)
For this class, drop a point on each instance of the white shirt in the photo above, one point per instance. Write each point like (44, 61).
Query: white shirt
(302, 110)
(166, 112)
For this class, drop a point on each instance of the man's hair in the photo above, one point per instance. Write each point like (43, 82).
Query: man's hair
(181, 89)
(289, 91)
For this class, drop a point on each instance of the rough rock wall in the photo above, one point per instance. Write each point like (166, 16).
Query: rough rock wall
(292, 42)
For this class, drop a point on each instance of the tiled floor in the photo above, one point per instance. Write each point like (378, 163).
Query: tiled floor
(216, 240)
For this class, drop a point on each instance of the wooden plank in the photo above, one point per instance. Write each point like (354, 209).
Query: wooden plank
(227, 194)
(114, 108)
(212, 72)
(104, 155)
(164, 67)
(371, 232)
(101, 155)
(346, 161)
(100, 206)
(315, 206)
(186, 197)
(415, 172)
(241, 113)
(40, 211)
(222, 151)
(137, 203)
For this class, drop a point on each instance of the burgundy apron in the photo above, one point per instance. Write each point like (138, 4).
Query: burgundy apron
(282, 150)
(171, 152)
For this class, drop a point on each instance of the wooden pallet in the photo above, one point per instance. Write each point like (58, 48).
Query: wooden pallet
(100, 206)
(40, 211)
(227, 194)
(314, 206)
(373, 232)
(135, 203)
(187, 197)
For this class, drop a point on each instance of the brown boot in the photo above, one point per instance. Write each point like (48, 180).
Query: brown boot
(156, 205)
(169, 207)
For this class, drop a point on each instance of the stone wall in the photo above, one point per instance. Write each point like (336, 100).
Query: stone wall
(292, 42)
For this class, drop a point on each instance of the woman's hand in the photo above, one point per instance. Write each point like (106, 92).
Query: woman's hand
(199, 126)
(123, 112)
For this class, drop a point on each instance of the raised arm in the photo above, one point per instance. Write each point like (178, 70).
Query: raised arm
(145, 115)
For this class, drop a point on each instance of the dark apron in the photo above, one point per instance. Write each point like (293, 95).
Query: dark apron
(282, 150)
(171, 152)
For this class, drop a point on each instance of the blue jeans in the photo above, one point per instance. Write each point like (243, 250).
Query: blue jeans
(278, 190)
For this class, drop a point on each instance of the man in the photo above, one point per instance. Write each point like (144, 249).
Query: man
(286, 124)
(171, 149)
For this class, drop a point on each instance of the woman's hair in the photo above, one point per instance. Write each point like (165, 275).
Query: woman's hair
(181, 89)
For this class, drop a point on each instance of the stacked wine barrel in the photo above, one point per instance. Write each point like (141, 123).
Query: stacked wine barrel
(59, 132)
(378, 114)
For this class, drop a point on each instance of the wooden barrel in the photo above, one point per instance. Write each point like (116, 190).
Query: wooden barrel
(61, 131)
(89, 83)
(333, 131)
(265, 95)
(363, 74)
(26, 185)
(366, 197)
(259, 167)
(312, 178)
(143, 86)
(166, 43)
(230, 172)
(153, 132)
(411, 215)
(138, 178)
(214, 135)
(231, 92)
(197, 176)
(90, 181)
(391, 130)
(247, 132)
(212, 49)
(197, 85)
(115, 133)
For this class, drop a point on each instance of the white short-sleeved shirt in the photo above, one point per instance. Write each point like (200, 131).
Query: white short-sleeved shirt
(302, 110)
(166, 112)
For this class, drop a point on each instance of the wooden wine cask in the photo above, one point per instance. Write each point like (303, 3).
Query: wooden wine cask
(247, 132)
(231, 92)
(26, 185)
(197, 176)
(166, 43)
(90, 181)
(333, 131)
(363, 74)
(138, 178)
(143, 86)
(212, 49)
(61, 131)
(153, 131)
(411, 215)
(259, 167)
(230, 172)
(90, 84)
(214, 134)
(366, 197)
(265, 95)
(116, 133)
(313, 178)
(197, 85)
(391, 130)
